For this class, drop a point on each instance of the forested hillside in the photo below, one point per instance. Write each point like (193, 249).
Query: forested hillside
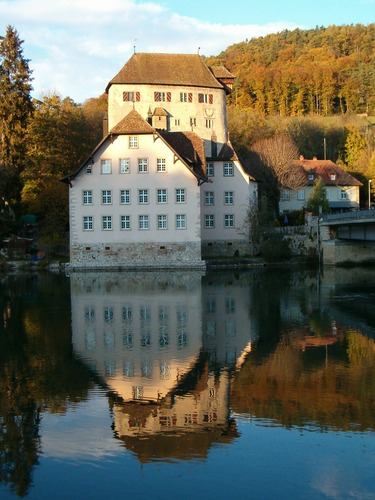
(320, 71)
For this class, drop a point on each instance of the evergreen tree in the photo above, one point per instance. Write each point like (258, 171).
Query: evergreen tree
(15, 109)
(318, 201)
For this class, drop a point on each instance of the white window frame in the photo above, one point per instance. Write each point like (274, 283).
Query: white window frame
(210, 170)
(228, 220)
(180, 221)
(87, 197)
(143, 196)
(105, 167)
(89, 168)
(344, 195)
(301, 195)
(161, 196)
(125, 223)
(107, 222)
(124, 196)
(285, 195)
(143, 222)
(133, 142)
(180, 195)
(161, 165)
(209, 198)
(228, 197)
(124, 165)
(209, 221)
(142, 165)
(106, 197)
(88, 223)
(209, 123)
(162, 221)
(228, 169)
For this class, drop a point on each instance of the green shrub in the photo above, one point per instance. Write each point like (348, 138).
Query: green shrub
(275, 248)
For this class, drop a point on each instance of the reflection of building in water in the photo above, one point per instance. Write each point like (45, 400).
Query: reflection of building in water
(139, 332)
(142, 334)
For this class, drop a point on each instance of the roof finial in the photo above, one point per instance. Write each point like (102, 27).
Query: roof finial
(199, 50)
(134, 45)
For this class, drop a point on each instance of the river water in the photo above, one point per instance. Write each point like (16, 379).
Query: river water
(238, 384)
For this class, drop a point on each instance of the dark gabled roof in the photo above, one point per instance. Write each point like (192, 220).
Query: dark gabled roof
(190, 147)
(227, 152)
(166, 69)
(330, 173)
(133, 123)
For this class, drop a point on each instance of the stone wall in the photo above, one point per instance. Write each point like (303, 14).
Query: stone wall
(136, 255)
(219, 248)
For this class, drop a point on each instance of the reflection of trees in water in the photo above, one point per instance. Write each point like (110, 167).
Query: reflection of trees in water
(37, 370)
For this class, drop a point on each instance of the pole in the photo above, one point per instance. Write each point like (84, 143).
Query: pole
(369, 193)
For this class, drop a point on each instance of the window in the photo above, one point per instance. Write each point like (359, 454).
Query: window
(107, 222)
(228, 169)
(106, 166)
(206, 98)
(228, 220)
(89, 169)
(209, 123)
(162, 96)
(131, 96)
(87, 197)
(285, 194)
(177, 122)
(333, 177)
(301, 194)
(133, 141)
(106, 197)
(343, 194)
(311, 177)
(142, 165)
(125, 196)
(143, 196)
(180, 196)
(180, 221)
(162, 195)
(209, 221)
(186, 97)
(162, 222)
(124, 165)
(161, 165)
(228, 197)
(125, 222)
(88, 223)
(193, 122)
(209, 198)
(210, 170)
(143, 222)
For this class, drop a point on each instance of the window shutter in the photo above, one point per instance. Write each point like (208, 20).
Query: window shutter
(125, 96)
(156, 96)
(168, 97)
(190, 97)
(137, 96)
(200, 97)
(211, 98)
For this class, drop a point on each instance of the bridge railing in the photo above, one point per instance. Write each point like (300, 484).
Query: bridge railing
(354, 214)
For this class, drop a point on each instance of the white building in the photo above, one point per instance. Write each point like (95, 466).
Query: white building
(164, 186)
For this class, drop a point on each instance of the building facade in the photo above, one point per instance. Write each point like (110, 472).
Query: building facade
(165, 185)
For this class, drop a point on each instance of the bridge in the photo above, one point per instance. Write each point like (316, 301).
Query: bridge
(347, 237)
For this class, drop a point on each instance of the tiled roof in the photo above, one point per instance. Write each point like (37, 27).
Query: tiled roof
(133, 123)
(221, 72)
(190, 147)
(329, 172)
(227, 152)
(166, 69)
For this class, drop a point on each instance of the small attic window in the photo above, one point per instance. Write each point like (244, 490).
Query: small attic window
(89, 169)
(333, 177)
(311, 177)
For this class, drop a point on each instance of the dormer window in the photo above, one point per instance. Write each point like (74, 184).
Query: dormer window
(311, 177)
(333, 177)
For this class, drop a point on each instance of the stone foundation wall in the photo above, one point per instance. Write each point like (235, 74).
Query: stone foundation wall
(338, 252)
(136, 255)
(225, 249)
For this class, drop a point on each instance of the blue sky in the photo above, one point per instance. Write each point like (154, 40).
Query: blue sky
(76, 46)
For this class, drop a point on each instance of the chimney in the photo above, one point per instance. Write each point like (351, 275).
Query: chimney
(301, 157)
(105, 125)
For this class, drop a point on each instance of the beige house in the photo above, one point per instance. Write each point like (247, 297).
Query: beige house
(342, 189)
(165, 185)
